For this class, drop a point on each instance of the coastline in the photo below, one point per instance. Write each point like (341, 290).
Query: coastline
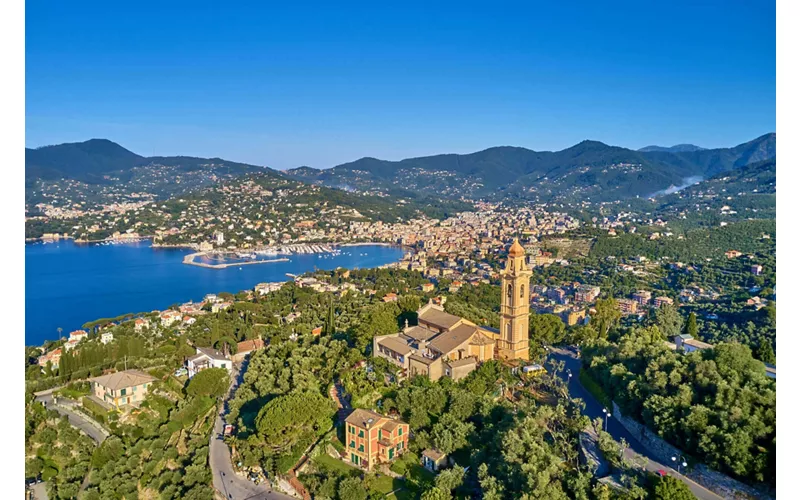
(68, 320)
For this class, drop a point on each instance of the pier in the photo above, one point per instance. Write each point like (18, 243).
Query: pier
(189, 259)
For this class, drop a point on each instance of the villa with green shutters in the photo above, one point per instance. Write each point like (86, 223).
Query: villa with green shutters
(372, 438)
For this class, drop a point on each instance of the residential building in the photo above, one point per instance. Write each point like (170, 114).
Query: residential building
(586, 293)
(372, 438)
(107, 338)
(732, 254)
(662, 301)
(427, 287)
(141, 324)
(121, 388)
(642, 297)
(627, 306)
(53, 357)
(169, 317)
(690, 344)
(207, 357)
(433, 459)
(756, 269)
(246, 347)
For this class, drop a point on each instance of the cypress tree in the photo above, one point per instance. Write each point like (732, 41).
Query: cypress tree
(691, 325)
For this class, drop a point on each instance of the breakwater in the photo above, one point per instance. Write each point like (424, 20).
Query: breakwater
(189, 259)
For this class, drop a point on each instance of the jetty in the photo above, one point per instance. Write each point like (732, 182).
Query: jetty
(189, 259)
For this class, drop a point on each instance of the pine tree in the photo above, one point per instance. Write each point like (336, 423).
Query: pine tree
(330, 326)
(691, 325)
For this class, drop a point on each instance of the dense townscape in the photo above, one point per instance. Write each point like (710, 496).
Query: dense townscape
(519, 349)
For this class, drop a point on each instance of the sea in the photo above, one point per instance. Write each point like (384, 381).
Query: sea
(68, 284)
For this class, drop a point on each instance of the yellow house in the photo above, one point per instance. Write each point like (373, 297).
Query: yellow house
(122, 388)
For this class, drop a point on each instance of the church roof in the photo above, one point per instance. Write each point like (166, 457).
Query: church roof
(439, 318)
(516, 249)
(449, 340)
(419, 333)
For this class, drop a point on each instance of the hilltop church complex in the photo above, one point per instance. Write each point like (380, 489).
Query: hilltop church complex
(445, 345)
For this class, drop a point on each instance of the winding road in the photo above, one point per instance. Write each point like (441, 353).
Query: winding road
(76, 419)
(594, 410)
(226, 482)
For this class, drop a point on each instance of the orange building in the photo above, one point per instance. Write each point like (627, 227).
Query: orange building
(373, 438)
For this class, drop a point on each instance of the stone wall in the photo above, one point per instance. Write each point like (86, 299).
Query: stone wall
(715, 481)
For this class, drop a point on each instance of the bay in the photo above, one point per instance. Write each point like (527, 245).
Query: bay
(67, 285)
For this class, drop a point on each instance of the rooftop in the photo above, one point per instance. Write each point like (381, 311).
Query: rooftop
(448, 341)
(363, 418)
(396, 345)
(438, 318)
(124, 379)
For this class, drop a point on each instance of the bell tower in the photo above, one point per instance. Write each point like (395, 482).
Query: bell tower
(515, 306)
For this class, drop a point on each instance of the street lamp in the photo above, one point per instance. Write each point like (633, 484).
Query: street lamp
(681, 462)
(606, 413)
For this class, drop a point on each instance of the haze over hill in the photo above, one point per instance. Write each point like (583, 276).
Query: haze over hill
(678, 148)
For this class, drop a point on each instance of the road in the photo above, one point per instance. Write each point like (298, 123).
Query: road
(594, 410)
(76, 419)
(39, 491)
(226, 481)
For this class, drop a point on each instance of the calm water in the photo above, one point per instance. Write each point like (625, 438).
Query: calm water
(67, 285)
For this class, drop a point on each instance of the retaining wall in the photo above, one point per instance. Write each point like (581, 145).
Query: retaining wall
(719, 483)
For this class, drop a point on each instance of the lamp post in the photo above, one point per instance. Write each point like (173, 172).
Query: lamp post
(606, 413)
(681, 462)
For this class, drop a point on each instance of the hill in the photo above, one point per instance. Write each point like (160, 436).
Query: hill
(100, 161)
(88, 160)
(678, 148)
(589, 170)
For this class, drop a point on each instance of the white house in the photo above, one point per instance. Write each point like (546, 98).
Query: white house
(140, 324)
(207, 357)
(107, 337)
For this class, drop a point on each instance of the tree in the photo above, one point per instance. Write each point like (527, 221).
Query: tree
(288, 419)
(352, 489)
(450, 479)
(212, 382)
(670, 488)
(546, 329)
(764, 351)
(436, 493)
(669, 321)
(691, 325)
(606, 317)
(450, 433)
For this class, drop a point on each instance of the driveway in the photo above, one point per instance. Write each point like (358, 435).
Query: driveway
(39, 491)
(594, 410)
(76, 419)
(230, 485)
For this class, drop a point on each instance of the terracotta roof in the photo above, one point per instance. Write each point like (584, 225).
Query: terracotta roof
(121, 380)
(249, 345)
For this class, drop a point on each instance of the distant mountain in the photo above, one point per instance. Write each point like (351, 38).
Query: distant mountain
(95, 160)
(758, 177)
(589, 170)
(88, 160)
(678, 148)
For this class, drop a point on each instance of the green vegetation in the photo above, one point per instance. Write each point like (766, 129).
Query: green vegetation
(95, 409)
(717, 404)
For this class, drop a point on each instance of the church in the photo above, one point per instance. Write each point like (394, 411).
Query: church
(445, 345)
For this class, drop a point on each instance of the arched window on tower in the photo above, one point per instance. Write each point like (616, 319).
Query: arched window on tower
(510, 294)
(522, 291)
(508, 332)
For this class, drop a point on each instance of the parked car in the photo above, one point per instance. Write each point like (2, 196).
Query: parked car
(662, 473)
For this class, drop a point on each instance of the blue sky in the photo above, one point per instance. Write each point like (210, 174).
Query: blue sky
(321, 84)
